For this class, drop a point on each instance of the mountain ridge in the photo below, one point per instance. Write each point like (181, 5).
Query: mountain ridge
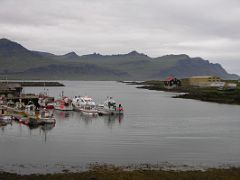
(18, 61)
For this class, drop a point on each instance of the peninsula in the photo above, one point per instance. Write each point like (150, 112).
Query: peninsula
(225, 95)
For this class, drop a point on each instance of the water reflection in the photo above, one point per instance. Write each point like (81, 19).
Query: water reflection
(41, 130)
(87, 119)
(110, 120)
(63, 115)
(45, 129)
(2, 128)
(4, 125)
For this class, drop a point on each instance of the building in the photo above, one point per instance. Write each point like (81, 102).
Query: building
(171, 82)
(205, 81)
(10, 89)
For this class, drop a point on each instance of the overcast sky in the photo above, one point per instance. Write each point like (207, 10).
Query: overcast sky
(205, 28)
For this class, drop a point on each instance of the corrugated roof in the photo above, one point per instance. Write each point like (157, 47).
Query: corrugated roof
(169, 78)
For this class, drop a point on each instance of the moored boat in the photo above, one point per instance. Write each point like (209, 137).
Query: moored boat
(110, 107)
(85, 104)
(64, 104)
(45, 102)
(40, 118)
(6, 119)
(24, 120)
(30, 109)
(46, 116)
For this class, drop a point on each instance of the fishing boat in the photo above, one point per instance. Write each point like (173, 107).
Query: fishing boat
(15, 108)
(6, 119)
(34, 122)
(10, 106)
(110, 107)
(85, 104)
(46, 116)
(64, 104)
(30, 109)
(41, 118)
(24, 120)
(45, 102)
(41, 102)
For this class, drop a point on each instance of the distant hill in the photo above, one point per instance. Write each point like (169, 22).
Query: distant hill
(19, 62)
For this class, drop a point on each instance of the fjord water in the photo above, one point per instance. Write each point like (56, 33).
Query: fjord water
(154, 129)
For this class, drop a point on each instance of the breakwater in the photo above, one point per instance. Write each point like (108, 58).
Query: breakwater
(35, 83)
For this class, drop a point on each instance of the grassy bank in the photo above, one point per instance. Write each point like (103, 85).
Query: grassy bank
(118, 174)
(204, 94)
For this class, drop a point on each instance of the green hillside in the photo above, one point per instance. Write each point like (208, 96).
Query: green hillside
(20, 63)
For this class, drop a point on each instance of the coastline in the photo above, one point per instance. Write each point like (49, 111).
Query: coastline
(209, 94)
(113, 172)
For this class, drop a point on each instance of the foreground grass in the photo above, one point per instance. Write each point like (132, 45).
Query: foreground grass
(117, 174)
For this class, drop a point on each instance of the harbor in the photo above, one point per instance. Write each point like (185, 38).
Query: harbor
(119, 90)
(149, 131)
(36, 110)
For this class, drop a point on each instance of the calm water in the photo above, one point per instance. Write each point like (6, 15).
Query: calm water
(154, 129)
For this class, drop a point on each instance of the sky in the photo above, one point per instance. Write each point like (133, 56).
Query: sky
(199, 28)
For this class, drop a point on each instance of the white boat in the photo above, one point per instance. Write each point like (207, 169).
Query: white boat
(41, 102)
(85, 104)
(6, 119)
(64, 104)
(109, 107)
(30, 109)
(10, 106)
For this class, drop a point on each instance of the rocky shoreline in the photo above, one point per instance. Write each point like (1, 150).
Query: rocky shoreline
(229, 96)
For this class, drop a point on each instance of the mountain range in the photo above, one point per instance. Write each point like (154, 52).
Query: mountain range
(17, 62)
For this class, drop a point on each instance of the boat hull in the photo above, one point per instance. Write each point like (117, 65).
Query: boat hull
(89, 112)
(109, 112)
(86, 110)
(48, 120)
(6, 119)
(60, 108)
